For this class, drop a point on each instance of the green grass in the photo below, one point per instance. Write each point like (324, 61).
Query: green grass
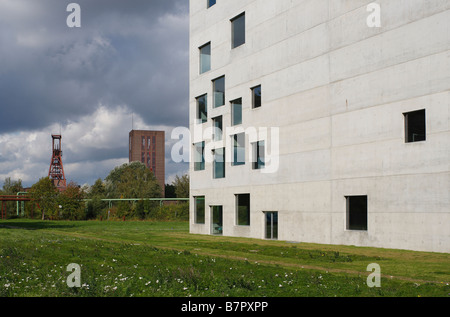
(161, 259)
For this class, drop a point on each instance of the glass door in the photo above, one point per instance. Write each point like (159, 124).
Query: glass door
(217, 220)
(271, 225)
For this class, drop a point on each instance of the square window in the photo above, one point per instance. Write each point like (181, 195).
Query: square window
(210, 3)
(199, 207)
(205, 58)
(415, 126)
(219, 91)
(356, 212)
(219, 163)
(238, 31)
(217, 126)
(199, 156)
(236, 112)
(256, 97)
(238, 149)
(243, 209)
(202, 109)
(258, 155)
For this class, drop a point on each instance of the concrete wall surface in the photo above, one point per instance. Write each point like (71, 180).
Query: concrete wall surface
(334, 96)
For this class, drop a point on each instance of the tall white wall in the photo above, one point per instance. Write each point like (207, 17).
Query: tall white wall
(337, 90)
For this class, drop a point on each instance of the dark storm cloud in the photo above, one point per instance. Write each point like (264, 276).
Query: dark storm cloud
(131, 53)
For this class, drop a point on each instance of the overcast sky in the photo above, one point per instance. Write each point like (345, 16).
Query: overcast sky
(128, 58)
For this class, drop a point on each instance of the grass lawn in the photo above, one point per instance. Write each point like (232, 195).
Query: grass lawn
(156, 259)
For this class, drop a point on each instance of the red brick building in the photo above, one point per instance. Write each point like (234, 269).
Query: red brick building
(148, 147)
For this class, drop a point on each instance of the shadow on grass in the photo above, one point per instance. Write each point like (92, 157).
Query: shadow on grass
(35, 225)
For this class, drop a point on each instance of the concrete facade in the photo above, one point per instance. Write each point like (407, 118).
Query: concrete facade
(148, 147)
(335, 94)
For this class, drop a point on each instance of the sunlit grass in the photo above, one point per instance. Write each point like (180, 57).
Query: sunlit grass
(157, 259)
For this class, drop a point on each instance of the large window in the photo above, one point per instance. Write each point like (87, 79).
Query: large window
(205, 58)
(236, 112)
(256, 97)
(243, 209)
(415, 126)
(199, 156)
(202, 109)
(238, 31)
(356, 212)
(258, 154)
(219, 163)
(238, 149)
(199, 207)
(217, 125)
(219, 91)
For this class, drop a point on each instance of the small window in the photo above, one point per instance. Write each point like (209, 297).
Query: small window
(256, 97)
(217, 125)
(205, 58)
(219, 163)
(258, 155)
(202, 109)
(415, 126)
(243, 209)
(199, 207)
(238, 31)
(236, 112)
(199, 156)
(238, 149)
(219, 91)
(356, 212)
(210, 3)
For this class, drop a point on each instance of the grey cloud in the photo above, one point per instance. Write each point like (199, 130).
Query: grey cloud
(126, 52)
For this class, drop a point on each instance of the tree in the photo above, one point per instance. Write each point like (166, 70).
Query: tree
(45, 194)
(98, 190)
(181, 186)
(12, 187)
(71, 202)
(96, 193)
(170, 191)
(132, 180)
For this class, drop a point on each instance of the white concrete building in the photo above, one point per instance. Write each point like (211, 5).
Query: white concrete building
(350, 103)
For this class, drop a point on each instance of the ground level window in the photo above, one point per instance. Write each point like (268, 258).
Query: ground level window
(415, 126)
(356, 212)
(243, 209)
(217, 220)
(271, 225)
(199, 207)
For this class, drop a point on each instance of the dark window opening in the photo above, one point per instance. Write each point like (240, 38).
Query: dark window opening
(415, 126)
(356, 212)
(219, 91)
(199, 156)
(238, 31)
(256, 97)
(243, 209)
(202, 109)
(199, 203)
